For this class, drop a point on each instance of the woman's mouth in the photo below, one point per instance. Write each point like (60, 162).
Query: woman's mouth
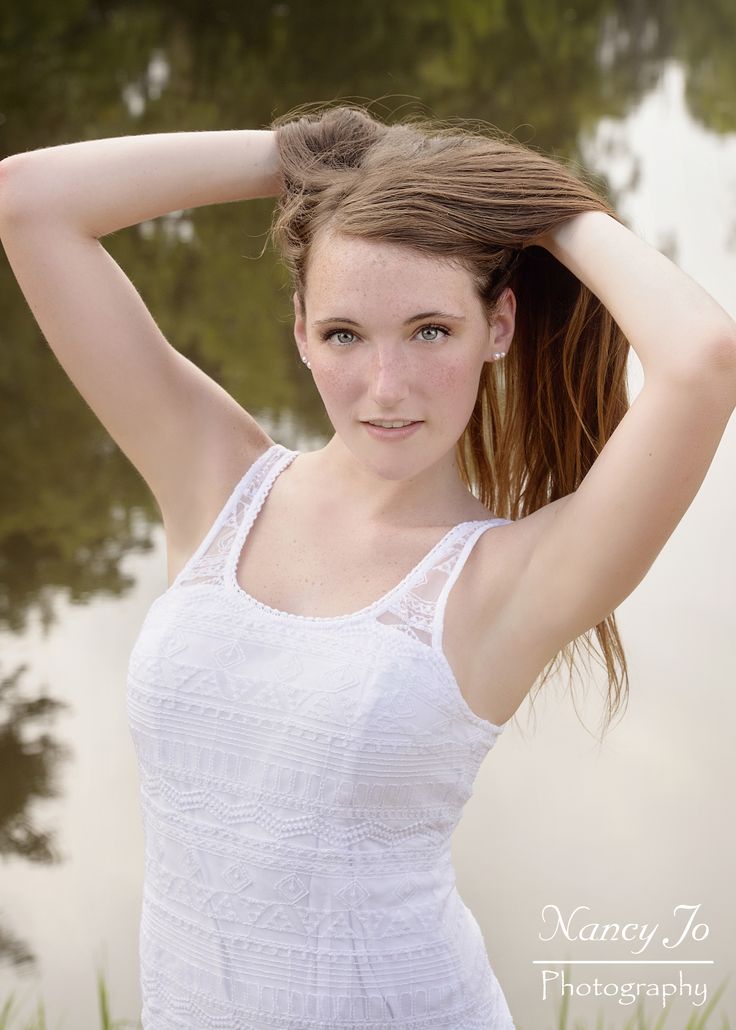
(391, 429)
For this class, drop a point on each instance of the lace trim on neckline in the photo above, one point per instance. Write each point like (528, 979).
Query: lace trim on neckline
(385, 599)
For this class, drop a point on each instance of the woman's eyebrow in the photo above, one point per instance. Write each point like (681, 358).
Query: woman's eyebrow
(407, 321)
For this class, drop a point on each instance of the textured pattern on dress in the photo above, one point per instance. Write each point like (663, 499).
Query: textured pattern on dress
(300, 781)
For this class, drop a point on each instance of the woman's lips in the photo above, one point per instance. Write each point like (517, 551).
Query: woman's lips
(382, 433)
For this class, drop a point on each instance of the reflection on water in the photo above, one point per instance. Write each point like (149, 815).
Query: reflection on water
(643, 96)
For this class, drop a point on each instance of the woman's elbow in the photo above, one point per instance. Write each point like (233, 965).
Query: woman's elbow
(10, 191)
(716, 366)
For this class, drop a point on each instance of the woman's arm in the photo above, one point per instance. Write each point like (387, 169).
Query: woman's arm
(672, 323)
(100, 186)
(188, 438)
(592, 547)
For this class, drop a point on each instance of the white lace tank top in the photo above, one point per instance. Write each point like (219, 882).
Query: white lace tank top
(300, 781)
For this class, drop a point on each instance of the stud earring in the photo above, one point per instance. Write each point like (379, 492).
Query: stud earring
(499, 354)
(306, 362)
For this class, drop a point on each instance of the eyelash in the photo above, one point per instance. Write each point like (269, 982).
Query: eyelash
(329, 333)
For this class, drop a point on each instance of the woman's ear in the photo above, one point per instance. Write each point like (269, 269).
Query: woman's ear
(503, 323)
(300, 328)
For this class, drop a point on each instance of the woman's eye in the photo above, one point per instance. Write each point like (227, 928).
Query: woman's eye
(346, 332)
(336, 332)
(434, 329)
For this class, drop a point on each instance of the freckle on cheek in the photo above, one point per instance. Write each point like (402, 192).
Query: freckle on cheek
(444, 377)
(335, 377)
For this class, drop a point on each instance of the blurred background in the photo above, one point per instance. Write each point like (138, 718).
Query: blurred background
(643, 94)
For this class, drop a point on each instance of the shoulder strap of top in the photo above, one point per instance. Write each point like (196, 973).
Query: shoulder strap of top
(207, 564)
(452, 568)
(419, 609)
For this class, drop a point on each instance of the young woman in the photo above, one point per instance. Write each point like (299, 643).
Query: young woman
(348, 630)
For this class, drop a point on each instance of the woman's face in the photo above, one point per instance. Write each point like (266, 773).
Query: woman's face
(393, 334)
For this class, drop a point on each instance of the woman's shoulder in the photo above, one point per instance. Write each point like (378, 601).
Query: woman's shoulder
(491, 625)
(505, 551)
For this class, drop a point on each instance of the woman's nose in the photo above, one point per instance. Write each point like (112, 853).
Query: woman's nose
(390, 378)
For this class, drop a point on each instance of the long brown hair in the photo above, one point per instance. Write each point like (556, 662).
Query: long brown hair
(481, 198)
